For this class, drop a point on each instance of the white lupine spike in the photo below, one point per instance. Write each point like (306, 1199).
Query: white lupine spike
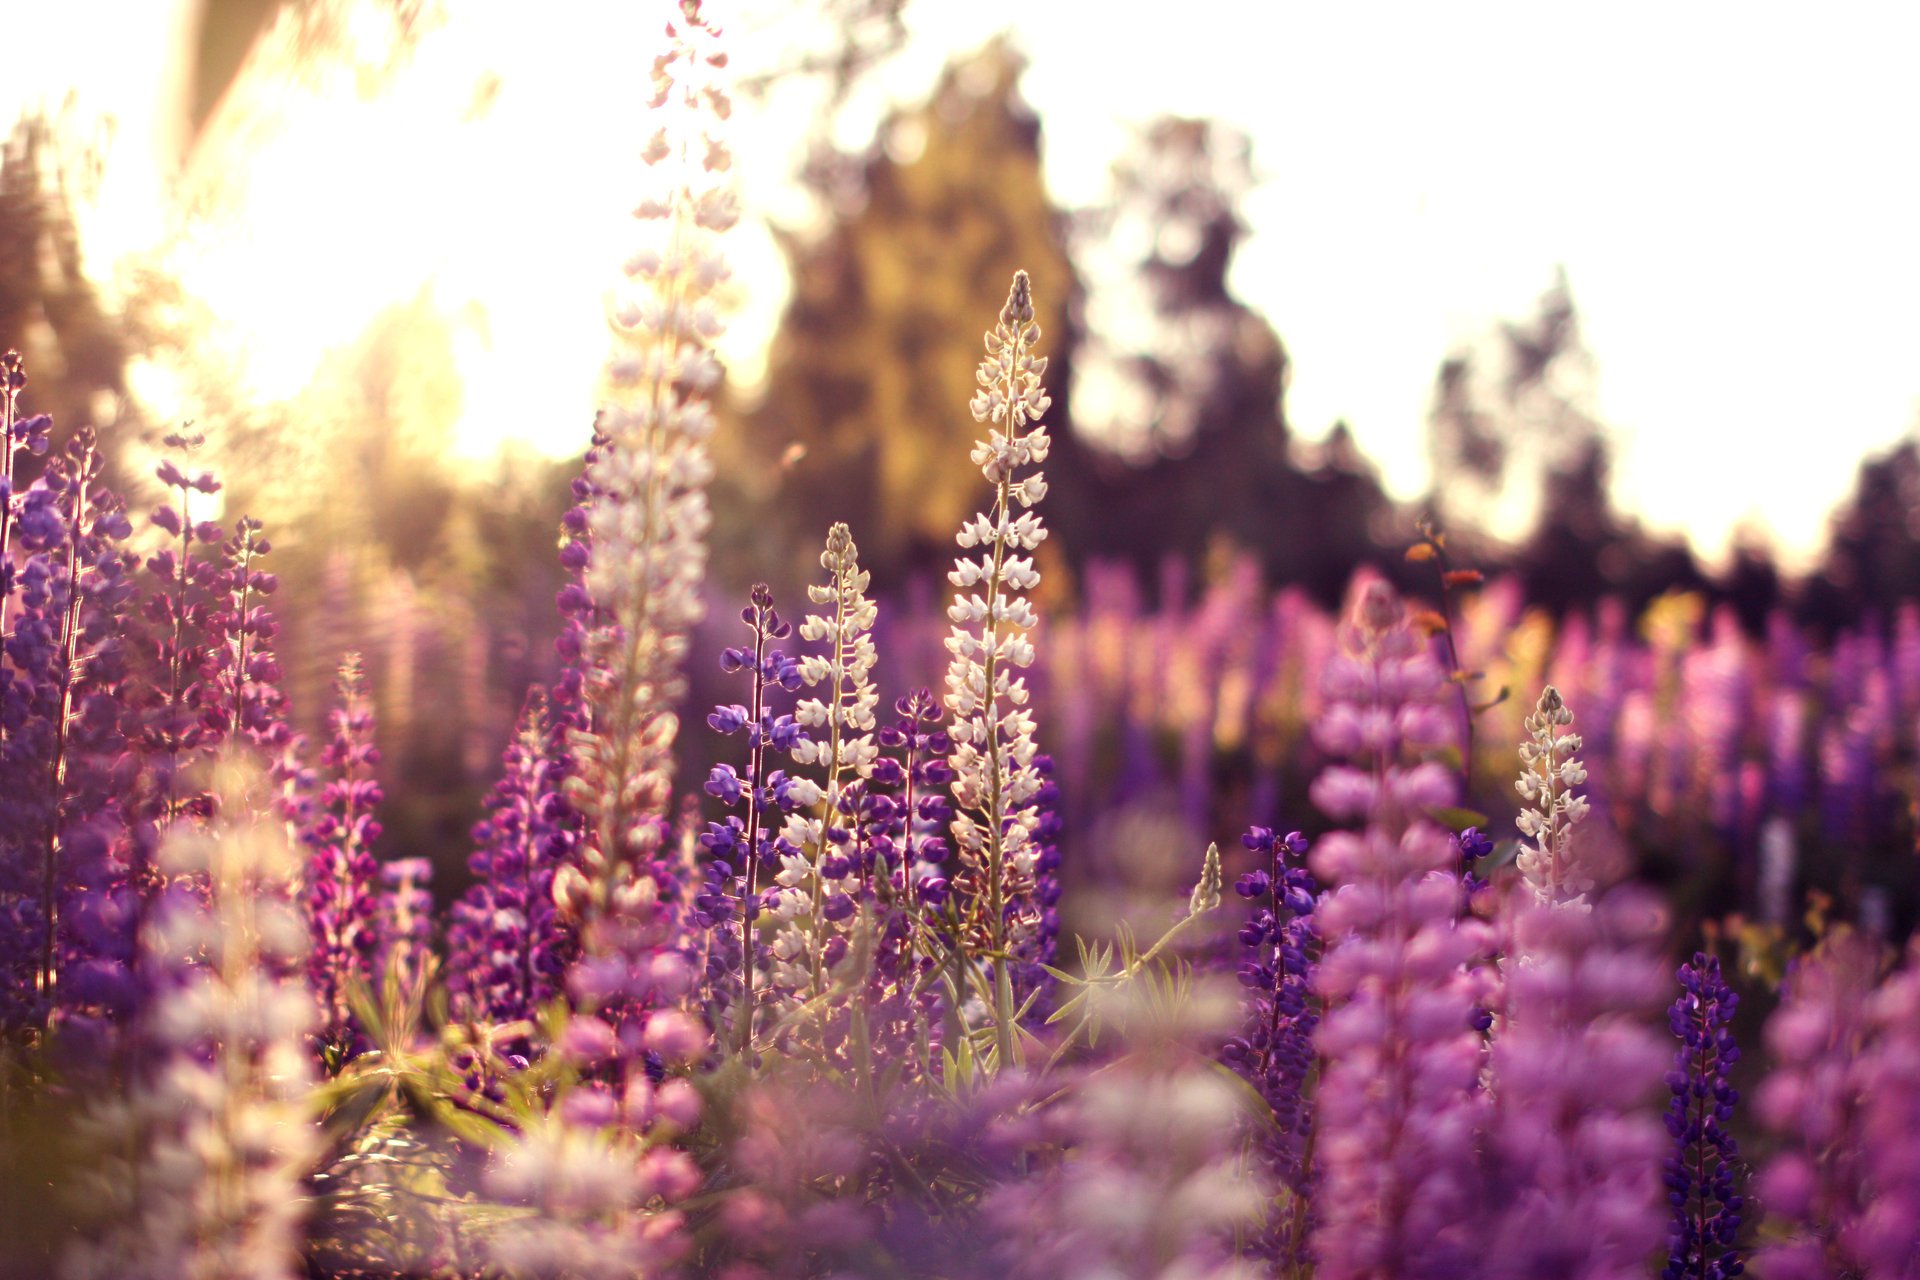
(994, 781)
(843, 674)
(1548, 771)
(648, 516)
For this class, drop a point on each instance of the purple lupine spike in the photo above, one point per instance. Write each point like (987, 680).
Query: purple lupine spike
(509, 947)
(341, 907)
(1704, 1161)
(174, 635)
(405, 925)
(1035, 949)
(61, 885)
(1393, 1109)
(1470, 846)
(921, 816)
(1573, 1151)
(1816, 1189)
(1274, 1049)
(750, 842)
(1887, 1079)
(239, 693)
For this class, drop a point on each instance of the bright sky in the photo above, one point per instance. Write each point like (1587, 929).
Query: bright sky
(1732, 191)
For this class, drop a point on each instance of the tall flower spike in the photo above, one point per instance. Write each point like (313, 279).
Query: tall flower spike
(1888, 1078)
(341, 907)
(63, 739)
(508, 945)
(746, 843)
(995, 780)
(1273, 1050)
(1393, 1111)
(1704, 1159)
(1817, 1189)
(640, 547)
(217, 1125)
(1548, 773)
(823, 874)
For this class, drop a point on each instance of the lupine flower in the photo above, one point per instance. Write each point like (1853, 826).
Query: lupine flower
(919, 775)
(1887, 1077)
(828, 877)
(1273, 1049)
(178, 612)
(1574, 1153)
(749, 841)
(508, 946)
(1704, 1160)
(1394, 1110)
(1472, 845)
(1572, 1149)
(405, 932)
(341, 907)
(62, 749)
(216, 1120)
(1150, 1184)
(1817, 1188)
(995, 782)
(590, 1207)
(1549, 770)
(639, 545)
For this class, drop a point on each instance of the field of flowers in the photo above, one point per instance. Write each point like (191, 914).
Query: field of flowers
(949, 984)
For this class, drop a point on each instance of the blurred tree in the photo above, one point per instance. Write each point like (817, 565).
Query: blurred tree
(864, 417)
(1183, 385)
(75, 349)
(1507, 420)
(1873, 547)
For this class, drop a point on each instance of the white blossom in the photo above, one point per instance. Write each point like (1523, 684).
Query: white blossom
(995, 781)
(1548, 772)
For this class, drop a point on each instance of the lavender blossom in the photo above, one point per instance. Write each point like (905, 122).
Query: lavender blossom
(1574, 1152)
(62, 749)
(204, 1155)
(995, 782)
(1704, 1160)
(1817, 1189)
(405, 955)
(1887, 1077)
(1273, 1050)
(751, 840)
(508, 945)
(341, 908)
(1394, 1111)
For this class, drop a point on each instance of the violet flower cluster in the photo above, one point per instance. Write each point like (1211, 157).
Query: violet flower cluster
(1818, 1191)
(1395, 1114)
(1574, 1149)
(1273, 1050)
(342, 910)
(508, 946)
(1704, 1160)
(744, 842)
(205, 1153)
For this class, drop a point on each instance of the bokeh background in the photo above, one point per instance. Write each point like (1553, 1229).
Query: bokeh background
(1621, 301)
